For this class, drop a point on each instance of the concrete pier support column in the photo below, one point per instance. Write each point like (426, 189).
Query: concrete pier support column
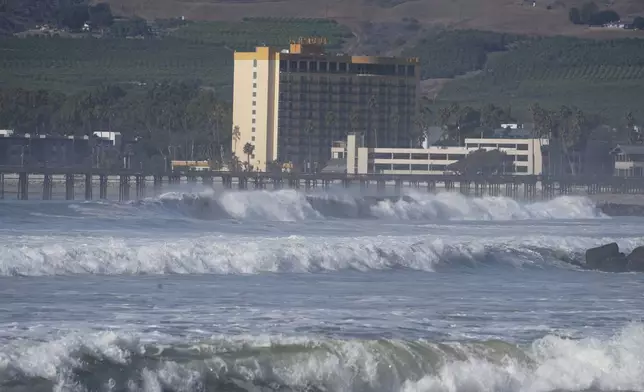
(157, 184)
(227, 181)
(140, 187)
(308, 184)
(380, 185)
(47, 187)
(88, 186)
(346, 183)
(207, 181)
(431, 186)
(398, 185)
(102, 187)
(69, 187)
(242, 182)
(23, 186)
(277, 183)
(1, 186)
(364, 184)
(124, 187)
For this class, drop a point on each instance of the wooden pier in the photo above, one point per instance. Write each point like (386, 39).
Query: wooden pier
(525, 187)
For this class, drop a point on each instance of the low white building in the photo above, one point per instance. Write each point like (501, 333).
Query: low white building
(526, 153)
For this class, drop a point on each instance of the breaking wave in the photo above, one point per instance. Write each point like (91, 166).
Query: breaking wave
(291, 205)
(107, 361)
(38, 256)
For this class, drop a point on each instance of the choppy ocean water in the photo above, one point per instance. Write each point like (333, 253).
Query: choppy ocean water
(283, 291)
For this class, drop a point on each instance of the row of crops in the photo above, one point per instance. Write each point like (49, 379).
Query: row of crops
(82, 62)
(196, 50)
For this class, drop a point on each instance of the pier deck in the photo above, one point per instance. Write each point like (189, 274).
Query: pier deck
(526, 187)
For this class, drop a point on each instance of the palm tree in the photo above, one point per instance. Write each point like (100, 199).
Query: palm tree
(330, 121)
(236, 136)
(248, 150)
(218, 114)
(310, 127)
(354, 119)
(373, 107)
(395, 119)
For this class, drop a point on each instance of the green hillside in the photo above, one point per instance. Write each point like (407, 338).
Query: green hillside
(195, 51)
(604, 77)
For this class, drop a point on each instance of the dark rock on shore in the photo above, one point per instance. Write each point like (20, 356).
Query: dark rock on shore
(608, 258)
(636, 259)
(619, 209)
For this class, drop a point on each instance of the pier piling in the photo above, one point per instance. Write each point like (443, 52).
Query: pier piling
(47, 187)
(88, 186)
(102, 187)
(23, 186)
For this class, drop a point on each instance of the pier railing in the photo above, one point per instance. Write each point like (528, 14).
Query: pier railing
(517, 186)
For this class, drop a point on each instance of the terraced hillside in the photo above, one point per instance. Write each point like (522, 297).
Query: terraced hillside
(605, 77)
(197, 51)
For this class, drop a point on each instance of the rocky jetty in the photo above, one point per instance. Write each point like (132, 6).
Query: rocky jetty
(608, 258)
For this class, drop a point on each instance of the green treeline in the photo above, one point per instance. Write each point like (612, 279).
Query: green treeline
(171, 120)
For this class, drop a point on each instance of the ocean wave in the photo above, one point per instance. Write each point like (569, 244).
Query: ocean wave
(292, 205)
(107, 361)
(60, 255)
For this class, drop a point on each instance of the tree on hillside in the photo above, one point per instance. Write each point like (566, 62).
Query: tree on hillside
(638, 23)
(604, 17)
(575, 16)
(248, 150)
(587, 11)
(100, 15)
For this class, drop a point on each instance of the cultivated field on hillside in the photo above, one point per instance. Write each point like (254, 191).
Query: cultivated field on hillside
(197, 51)
(604, 77)
(549, 17)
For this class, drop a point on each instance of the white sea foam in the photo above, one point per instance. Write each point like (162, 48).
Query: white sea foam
(454, 206)
(289, 363)
(292, 205)
(250, 255)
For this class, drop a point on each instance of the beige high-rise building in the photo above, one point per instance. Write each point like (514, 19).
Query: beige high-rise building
(292, 104)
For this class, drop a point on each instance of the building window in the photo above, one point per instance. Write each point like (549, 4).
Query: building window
(252, 139)
(419, 167)
(438, 157)
(522, 169)
(253, 129)
(254, 63)
(254, 103)
(402, 166)
(253, 121)
(522, 147)
(522, 158)
(254, 85)
(254, 94)
(254, 75)
(254, 111)
(253, 156)
(401, 156)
